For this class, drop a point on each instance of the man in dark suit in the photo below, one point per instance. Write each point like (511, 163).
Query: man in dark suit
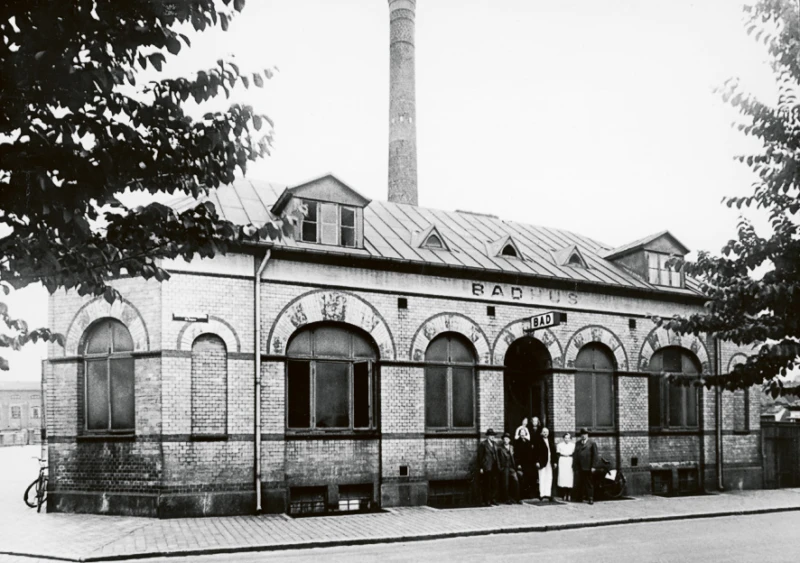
(585, 458)
(507, 471)
(488, 468)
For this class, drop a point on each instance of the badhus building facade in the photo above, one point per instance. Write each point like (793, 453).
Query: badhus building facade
(355, 365)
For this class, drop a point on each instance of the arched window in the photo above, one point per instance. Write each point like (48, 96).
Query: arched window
(509, 250)
(594, 387)
(450, 383)
(434, 242)
(671, 404)
(330, 380)
(108, 377)
(209, 386)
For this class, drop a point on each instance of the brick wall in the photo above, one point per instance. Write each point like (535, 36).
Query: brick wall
(207, 388)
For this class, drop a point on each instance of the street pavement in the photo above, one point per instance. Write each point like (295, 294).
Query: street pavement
(82, 537)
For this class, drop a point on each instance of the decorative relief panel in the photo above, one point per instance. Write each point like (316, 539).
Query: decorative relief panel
(449, 322)
(660, 337)
(334, 306)
(596, 334)
(98, 308)
(517, 330)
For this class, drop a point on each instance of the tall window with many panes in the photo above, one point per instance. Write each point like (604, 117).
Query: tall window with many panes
(594, 387)
(450, 384)
(673, 403)
(330, 380)
(108, 378)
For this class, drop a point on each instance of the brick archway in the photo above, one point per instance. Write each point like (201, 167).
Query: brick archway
(98, 308)
(330, 305)
(515, 330)
(596, 333)
(215, 326)
(449, 322)
(660, 337)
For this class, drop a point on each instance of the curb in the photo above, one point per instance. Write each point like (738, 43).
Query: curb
(410, 538)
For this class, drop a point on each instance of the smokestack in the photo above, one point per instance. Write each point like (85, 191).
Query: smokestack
(402, 104)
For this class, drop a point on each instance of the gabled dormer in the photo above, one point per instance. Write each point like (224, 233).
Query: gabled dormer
(335, 214)
(570, 256)
(504, 247)
(648, 258)
(430, 239)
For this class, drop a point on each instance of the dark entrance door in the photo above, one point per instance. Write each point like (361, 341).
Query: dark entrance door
(525, 382)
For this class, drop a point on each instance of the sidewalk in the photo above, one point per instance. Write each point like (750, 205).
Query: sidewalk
(103, 538)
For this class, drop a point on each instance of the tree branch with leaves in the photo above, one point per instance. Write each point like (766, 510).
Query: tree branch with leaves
(77, 129)
(761, 312)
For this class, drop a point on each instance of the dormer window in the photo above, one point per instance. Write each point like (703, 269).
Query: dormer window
(329, 223)
(509, 250)
(575, 260)
(434, 242)
(335, 214)
(659, 273)
(430, 239)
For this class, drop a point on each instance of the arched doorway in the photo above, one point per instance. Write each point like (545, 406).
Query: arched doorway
(528, 364)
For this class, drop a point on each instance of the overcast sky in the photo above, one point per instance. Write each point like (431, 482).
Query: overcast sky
(596, 116)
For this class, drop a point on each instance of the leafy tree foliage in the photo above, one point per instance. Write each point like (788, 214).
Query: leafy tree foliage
(78, 127)
(763, 312)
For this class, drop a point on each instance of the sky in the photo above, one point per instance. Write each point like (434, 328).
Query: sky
(595, 116)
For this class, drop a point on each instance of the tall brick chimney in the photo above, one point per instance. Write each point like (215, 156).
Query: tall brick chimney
(402, 104)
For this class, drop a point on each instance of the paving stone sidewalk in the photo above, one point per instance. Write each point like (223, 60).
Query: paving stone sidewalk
(97, 538)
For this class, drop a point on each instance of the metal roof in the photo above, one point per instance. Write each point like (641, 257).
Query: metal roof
(391, 231)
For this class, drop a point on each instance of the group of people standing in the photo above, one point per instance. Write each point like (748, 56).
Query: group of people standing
(525, 469)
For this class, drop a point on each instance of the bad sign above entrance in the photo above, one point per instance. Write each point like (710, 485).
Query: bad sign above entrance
(545, 320)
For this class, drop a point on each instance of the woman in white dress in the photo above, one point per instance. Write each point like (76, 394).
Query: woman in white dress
(565, 449)
(543, 450)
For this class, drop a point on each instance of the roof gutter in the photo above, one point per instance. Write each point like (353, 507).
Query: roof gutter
(257, 375)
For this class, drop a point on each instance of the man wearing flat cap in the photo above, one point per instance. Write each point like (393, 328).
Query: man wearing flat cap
(585, 458)
(488, 468)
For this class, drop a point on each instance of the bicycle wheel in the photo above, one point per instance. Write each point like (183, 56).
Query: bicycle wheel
(41, 493)
(26, 496)
(616, 490)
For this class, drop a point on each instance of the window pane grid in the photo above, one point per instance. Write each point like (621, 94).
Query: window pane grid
(673, 403)
(333, 389)
(449, 384)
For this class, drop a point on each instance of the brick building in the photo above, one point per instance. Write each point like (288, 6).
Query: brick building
(356, 364)
(20, 413)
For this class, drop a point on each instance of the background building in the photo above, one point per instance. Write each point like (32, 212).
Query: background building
(20, 413)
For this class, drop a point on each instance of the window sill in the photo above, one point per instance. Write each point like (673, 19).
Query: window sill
(106, 437)
(678, 431)
(434, 433)
(209, 438)
(295, 434)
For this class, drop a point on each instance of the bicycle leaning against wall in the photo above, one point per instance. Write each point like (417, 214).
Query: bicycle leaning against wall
(38, 488)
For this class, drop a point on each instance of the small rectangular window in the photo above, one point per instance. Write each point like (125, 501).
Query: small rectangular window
(97, 414)
(332, 395)
(299, 394)
(361, 395)
(122, 381)
(309, 228)
(436, 396)
(463, 398)
(16, 412)
(654, 400)
(348, 226)
(34, 412)
(329, 223)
